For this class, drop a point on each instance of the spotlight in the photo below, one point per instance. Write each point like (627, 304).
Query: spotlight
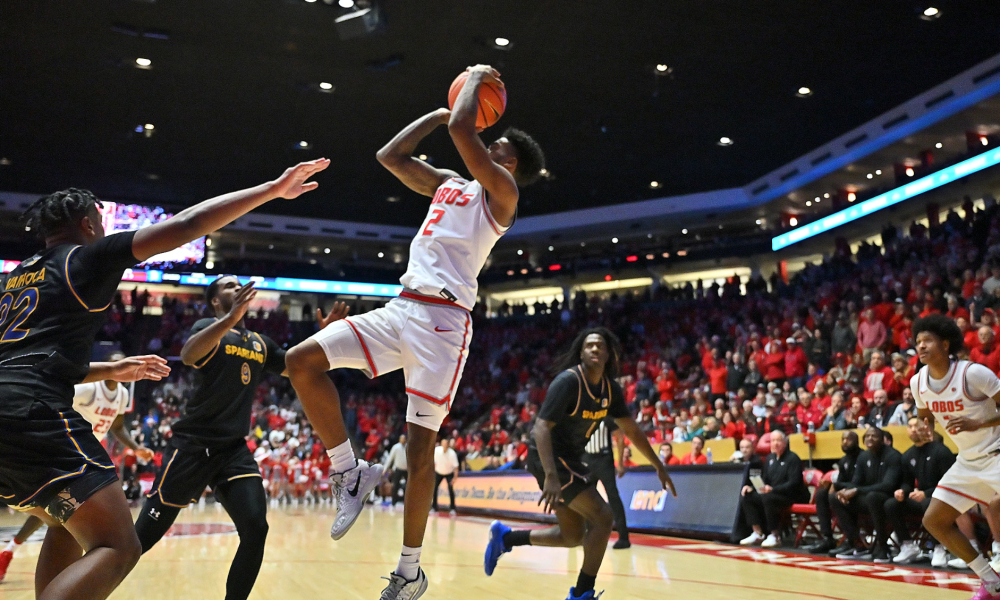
(909, 171)
(804, 92)
(724, 141)
(346, 3)
(930, 13)
(381, 254)
(684, 231)
(502, 42)
(662, 68)
(614, 240)
(143, 63)
(654, 185)
(939, 145)
(209, 264)
(520, 252)
(851, 196)
(326, 86)
(326, 250)
(793, 221)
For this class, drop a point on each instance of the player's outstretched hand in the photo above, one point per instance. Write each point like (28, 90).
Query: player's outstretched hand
(295, 180)
(960, 424)
(665, 480)
(551, 493)
(137, 368)
(490, 75)
(241, 302)
(338, 312)
(144, 454)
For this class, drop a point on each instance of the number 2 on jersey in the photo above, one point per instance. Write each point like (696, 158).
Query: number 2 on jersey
(28, 298)
(437, 214)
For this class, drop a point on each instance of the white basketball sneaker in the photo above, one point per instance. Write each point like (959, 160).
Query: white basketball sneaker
(351, 489)
(401, 589)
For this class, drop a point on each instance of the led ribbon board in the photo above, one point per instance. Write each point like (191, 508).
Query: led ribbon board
(895, 196)
(281, 284)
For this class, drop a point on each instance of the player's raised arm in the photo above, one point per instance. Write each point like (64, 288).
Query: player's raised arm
(397, 155)
(215, 213)
(495, 178)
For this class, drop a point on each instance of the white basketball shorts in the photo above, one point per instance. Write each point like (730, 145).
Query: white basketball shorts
(968, 483)
(429, 342)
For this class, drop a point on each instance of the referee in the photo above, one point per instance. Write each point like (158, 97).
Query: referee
(601, 461)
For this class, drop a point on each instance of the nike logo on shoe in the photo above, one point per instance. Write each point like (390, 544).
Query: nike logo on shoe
(439, 330)
(357, 483)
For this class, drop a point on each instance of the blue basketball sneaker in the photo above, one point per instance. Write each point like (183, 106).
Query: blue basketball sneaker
(495, 548)
(588, 595)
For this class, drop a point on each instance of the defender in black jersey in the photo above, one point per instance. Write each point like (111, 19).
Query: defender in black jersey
(579, 398)
(209, 447)
(51, 307)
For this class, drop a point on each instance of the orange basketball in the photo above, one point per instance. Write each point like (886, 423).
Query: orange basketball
(492, 100)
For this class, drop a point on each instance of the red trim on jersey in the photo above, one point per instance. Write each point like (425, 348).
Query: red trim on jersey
(429, 299)
(489, 217)
(958, 493)
(364, 346)
(446, 399)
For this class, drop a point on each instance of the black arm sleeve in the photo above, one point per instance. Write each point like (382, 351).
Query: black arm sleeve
(889, 482)
(275, 362)
(909, 475)
(563, 393)
(941, 460)
(791, 476)
(94, 271)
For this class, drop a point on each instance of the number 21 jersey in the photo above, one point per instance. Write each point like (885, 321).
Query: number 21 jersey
(51, 307)
(453, 243)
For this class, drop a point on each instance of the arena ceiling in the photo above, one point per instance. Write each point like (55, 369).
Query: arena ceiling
(234, 86)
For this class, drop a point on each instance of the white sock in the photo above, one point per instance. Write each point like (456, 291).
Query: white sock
(12, 547)
(409, 563)
(342, 457)
(996, 547)
(982, 568)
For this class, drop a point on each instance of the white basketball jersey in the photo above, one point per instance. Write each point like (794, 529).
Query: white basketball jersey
(967, 392)
(101, 406)
(453, 243)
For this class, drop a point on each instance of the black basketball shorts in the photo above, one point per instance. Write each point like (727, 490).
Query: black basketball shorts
(574, 476)
(187, 472)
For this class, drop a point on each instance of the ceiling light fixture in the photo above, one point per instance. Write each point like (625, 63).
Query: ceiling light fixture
(614, 240)
(144, 63)
(209, 264)
(662, 68)
(869, 176)
(392, 199)
(878, 171)
(520, 252)
(5, 162)
(502, 42)
(326, 86)
(826, 195)
(326, 250)
(804, 92)
(684, 231)
(809, 203)
(303, 145)
(665, 255)
(758, 221)
(346, 3)
(793, 221)
(930, 13)
(654, 184)
(939, 145)
(208, 241)
(984, 140)
(725, 141)
(909, 171)
(551, 248)
(381, 254)
(851, 196)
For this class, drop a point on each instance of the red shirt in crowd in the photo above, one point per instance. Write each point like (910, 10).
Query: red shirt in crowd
(991, 360)
(774, 366)
(701, 459)
(883, 379)
(717, 375)
(795, 361)
(972, 339)
(814, 414)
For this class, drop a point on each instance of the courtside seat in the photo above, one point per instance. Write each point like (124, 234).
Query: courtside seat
(805, 514)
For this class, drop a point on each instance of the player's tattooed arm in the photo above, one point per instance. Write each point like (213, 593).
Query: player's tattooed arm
(552, 489)
(495, 178)
(202, 343)
(397, 155)
(133, 368)
(631, 429)
(207, 216)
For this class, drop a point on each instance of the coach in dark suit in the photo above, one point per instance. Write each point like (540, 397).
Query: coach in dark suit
(601, 461)
(783, 486)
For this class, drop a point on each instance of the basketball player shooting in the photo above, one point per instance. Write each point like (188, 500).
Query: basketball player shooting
(427, 330)
(964, 396)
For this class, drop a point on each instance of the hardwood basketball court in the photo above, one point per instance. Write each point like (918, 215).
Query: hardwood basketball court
(303, 562)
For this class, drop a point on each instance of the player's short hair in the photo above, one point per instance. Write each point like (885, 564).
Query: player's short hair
(944, 328)
(213, 289)
(572, 356)
(59, 210)
(530, 158)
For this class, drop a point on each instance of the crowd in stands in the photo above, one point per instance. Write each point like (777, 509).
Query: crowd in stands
(829, 349)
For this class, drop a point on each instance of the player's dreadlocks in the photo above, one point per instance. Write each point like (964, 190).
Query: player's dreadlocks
(572, 356)
(59, 210)
(530, 158)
